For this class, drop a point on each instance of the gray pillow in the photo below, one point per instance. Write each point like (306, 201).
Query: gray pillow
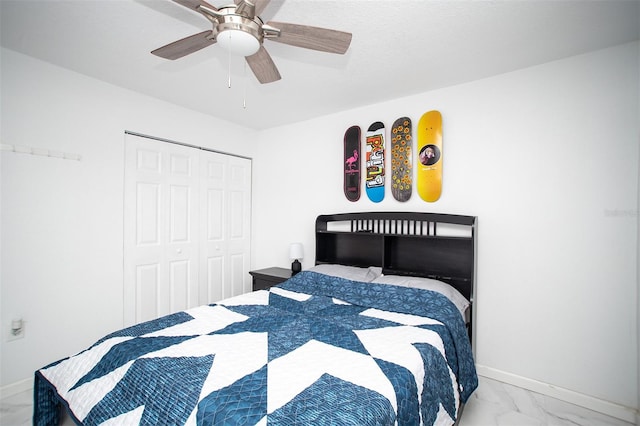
(353, 273)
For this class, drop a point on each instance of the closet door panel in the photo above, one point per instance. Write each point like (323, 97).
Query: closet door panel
(147, 279)
(214, 280)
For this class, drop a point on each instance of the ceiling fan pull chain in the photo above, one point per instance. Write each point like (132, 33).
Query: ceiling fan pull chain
(229, 59)
(244, 88)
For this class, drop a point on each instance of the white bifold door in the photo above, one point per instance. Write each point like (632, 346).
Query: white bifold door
(187, 215)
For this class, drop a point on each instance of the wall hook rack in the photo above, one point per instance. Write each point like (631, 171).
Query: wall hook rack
(43, 152)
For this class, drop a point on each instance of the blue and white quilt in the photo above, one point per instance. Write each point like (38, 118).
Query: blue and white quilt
(314, 350)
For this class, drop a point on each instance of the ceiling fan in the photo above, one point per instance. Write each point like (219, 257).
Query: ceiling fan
(238, 28)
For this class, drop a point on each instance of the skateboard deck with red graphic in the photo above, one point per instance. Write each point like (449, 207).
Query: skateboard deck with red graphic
(351, 163)
(429, 179)
(375, 162)
(401, 159)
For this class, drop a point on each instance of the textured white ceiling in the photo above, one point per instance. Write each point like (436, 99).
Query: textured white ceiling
(399, 47)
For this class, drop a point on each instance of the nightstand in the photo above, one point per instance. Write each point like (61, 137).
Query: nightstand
(265, 278)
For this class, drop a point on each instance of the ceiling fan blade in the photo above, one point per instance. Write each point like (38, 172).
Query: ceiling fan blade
(246, 8)
(185, 46)
(322, 39)
(193, 4)
(260, 6)
(263, 66)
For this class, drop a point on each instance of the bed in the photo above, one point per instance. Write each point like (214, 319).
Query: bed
(378, 332)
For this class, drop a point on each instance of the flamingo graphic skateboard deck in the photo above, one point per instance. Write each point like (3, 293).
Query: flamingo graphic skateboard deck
(430, 156)
(401, 161)
(375, 162)
(352, 163)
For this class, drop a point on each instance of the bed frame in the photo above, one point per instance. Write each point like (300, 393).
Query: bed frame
(431, 245)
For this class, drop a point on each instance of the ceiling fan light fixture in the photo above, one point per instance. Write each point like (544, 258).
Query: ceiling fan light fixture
(238, 28)
(238, 42)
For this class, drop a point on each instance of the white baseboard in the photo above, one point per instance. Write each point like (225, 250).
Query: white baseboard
(628, 414)
(16, 388)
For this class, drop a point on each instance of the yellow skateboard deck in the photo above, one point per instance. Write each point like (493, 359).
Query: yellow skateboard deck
(429, 162)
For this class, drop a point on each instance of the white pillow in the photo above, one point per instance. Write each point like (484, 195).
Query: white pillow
(352, 273)
(451, 293)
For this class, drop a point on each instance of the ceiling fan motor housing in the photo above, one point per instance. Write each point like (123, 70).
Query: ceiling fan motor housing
(245, 34)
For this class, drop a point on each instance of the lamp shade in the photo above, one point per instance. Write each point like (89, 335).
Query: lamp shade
(296, 251)
(238, 42)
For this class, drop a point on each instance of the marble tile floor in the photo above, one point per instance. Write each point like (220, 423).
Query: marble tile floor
(492, 404)
(499, 404)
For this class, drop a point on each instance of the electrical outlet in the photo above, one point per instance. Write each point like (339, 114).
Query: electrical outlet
(16, 330)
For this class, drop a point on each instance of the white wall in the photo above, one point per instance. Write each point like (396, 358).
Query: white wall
(547, 158)
(62, 220)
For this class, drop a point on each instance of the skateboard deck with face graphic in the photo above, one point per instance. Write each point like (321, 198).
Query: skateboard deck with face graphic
(401, 160)
(351, 163)
(429, 164)
(375, 162)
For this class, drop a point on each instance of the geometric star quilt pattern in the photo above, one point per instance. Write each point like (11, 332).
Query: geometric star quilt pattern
(314, 350)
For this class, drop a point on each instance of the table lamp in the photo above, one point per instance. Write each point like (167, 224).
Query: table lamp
(296, 252)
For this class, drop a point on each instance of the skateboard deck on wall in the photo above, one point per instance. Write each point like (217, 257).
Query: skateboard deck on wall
(375, 162)
(429, 164)
(352, 163)
(401, 160)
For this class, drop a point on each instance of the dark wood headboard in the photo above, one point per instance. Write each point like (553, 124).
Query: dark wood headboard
(431, 245)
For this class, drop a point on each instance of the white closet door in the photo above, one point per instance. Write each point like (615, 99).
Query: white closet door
(161, 228)
(239, 236)
(226, 220)
(187, 227)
